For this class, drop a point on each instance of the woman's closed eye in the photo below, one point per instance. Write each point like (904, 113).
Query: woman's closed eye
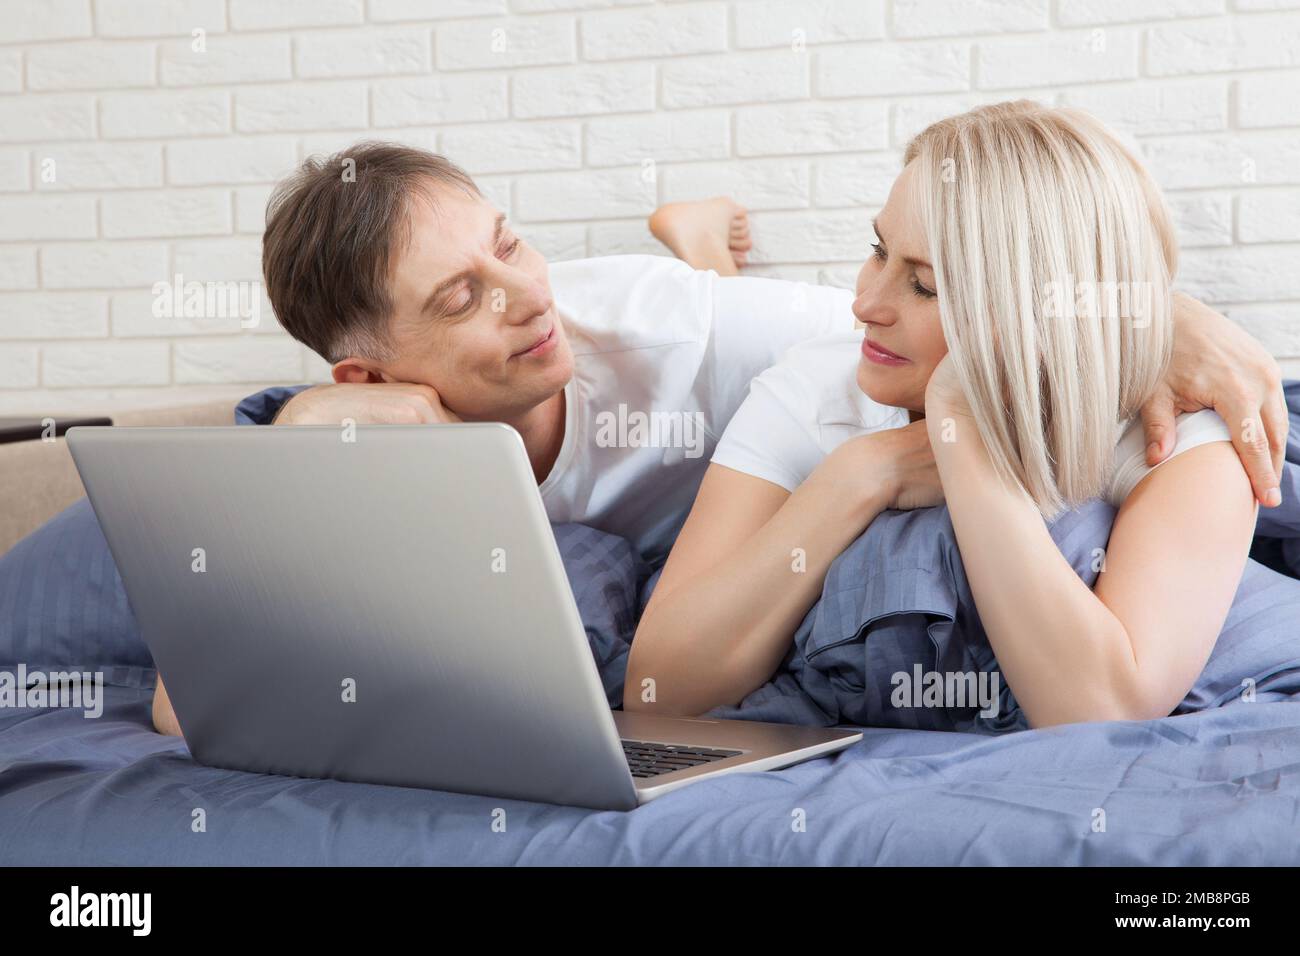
(878, 251)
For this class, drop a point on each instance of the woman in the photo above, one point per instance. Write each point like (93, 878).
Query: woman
(1017, 315)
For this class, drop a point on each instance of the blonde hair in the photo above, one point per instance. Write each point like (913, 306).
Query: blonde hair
(1026, 208)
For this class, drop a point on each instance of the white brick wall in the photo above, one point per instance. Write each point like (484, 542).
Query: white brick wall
(163, 155)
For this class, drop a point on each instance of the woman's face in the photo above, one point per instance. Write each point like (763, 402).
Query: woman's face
(897, 302)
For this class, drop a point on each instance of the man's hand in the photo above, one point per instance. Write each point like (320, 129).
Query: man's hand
(1217, 365)
(396, 403)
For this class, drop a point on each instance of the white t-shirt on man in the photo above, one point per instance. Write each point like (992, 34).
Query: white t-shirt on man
(808, 404)
(663, 357)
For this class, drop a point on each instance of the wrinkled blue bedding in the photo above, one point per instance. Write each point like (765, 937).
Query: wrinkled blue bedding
(1217, 786)
(919, 615)
(1211, 788)
(1218, 783)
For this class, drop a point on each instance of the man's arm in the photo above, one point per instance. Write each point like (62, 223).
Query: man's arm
(388, 403)
(1217, 365)
(164, 718)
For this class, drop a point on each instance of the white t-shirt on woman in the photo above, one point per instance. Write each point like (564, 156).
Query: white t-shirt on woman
(809, 403)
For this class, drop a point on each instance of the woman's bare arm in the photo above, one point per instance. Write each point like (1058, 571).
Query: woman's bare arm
(1132, 647)
(749, 563)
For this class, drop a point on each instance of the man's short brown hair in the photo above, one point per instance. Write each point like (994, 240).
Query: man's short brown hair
(333, 229)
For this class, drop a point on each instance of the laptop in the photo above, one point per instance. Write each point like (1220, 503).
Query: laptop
(384, 604)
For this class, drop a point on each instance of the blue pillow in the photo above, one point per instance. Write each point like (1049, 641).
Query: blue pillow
(260, 408)
(62, 604)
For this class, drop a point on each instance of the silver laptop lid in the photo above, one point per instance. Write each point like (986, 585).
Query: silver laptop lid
(359, 609)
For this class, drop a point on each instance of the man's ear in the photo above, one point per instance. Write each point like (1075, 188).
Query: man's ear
(354, 371)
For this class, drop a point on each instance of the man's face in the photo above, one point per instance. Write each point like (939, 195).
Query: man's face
(473, 315)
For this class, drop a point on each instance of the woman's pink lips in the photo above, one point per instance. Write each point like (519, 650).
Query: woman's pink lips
(544, 345)
(880, 355)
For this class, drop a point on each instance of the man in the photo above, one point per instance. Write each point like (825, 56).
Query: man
(619, 373)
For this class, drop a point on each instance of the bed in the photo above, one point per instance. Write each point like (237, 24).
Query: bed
(1216, 784)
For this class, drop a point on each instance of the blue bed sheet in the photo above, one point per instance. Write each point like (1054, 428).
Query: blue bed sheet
(1217, 787)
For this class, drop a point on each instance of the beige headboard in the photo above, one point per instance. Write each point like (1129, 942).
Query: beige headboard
(38, 478)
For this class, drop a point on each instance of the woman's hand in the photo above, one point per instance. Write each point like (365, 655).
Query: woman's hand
(915, 476)
(947, 412)
(898, 463)
(1217, 365)
(943, 393)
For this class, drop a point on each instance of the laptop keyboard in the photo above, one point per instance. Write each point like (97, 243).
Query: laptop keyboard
(649, 759)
